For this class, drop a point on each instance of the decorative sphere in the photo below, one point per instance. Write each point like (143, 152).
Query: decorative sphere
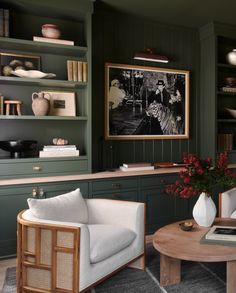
(51, 31)
(231, 57)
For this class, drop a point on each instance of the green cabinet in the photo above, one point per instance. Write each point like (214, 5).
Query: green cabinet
(161, 208)
(13, 199)
(119, 189)
(53, 59)
(218, 127)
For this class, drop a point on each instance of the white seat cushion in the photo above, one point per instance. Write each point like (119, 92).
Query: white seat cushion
(233, 215)
(107, 240)
(68, 207)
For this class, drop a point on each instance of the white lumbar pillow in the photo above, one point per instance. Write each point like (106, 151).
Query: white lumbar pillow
(68, 207)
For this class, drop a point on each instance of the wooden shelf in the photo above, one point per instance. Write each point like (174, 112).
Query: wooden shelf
(226, 66)
(42, 82)
(221, 93)
(41, 47)
(29, 117)
(226, 120)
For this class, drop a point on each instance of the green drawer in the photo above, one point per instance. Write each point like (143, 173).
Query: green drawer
(114, 184)
(152, 181)
(128, 195)
(38, 167)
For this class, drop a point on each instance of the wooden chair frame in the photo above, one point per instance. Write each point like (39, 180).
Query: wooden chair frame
(23, 253)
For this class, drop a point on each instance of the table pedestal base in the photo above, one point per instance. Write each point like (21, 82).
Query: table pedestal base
(170, 270)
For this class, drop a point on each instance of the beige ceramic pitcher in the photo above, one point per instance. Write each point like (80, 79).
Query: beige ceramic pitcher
(40, 103)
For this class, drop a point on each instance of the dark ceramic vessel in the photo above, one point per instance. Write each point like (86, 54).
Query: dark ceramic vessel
(18, 147)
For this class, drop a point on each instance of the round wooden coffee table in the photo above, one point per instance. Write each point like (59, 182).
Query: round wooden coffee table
(175, 245)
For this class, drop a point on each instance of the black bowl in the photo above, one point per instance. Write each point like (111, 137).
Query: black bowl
(17, 147)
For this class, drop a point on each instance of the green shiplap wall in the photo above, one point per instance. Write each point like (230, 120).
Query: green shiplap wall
(116, 37)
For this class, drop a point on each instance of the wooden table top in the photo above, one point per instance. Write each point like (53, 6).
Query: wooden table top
(170, 240)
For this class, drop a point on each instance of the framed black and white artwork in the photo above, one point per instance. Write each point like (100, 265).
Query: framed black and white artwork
(146, 102)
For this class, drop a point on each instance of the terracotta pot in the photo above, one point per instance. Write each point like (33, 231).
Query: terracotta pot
(40, 104)
(51, 31)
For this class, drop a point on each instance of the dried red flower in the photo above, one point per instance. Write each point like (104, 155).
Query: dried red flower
(201, 176)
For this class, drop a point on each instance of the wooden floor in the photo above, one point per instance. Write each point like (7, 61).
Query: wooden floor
(4, 264)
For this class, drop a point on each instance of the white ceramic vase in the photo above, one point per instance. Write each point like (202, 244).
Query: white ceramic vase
(231, 57)
(204, 211)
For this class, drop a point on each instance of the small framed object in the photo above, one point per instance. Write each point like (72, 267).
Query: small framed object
(61, 103)
(10, 62)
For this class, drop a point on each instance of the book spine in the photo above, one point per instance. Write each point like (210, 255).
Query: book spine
(6, 22)
(54, 41)
(85, 68)
(70, 70)
(1, 23)
(1, 105)
(43, 154)
(75, 70)
(80, 71)
(59, 149)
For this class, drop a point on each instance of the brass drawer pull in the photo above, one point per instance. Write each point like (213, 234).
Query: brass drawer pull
(116, 185)
(37, 168)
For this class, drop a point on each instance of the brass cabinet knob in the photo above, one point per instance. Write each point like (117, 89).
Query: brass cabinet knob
(34, 192)
(41, 192)
(37, 168)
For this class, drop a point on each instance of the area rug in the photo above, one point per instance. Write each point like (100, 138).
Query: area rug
(196, 278)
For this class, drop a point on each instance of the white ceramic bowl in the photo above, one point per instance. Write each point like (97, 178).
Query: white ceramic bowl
(232, 112)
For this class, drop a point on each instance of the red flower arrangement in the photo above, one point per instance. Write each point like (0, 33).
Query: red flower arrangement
(201, 176)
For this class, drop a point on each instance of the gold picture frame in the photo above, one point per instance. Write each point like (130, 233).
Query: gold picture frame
(146, 102)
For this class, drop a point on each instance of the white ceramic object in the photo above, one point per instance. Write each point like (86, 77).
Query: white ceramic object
(204, 211)
(51, 31)
(32, 74)
(231, 57)
(232, 112)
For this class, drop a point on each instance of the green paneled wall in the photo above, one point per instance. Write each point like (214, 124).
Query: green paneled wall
(115, 38)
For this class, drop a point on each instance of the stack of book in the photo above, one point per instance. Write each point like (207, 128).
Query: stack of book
(136, 167)
(228, 89)
(4, 22)
(225, 141)
(59, 151)
(54, 41)
(77, 70)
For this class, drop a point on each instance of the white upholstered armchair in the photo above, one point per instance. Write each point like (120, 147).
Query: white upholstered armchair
(88, 241)
(227, 204)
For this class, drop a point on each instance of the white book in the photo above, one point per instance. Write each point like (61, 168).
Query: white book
(147, 168)
(227, 233)
(56, 147)
(51, 154)
(54, 41)
(135, 165)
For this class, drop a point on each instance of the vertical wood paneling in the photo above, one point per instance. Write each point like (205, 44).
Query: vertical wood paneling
(115, 39)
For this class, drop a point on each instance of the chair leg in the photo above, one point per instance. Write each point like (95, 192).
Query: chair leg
(138, 263)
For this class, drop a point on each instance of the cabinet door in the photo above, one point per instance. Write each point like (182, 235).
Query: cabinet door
(160, 208)
(12, 201)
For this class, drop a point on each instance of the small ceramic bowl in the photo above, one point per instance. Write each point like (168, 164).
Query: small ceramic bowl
(186, 226)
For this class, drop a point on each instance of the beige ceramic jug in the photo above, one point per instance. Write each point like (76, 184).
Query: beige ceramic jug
(40, 103)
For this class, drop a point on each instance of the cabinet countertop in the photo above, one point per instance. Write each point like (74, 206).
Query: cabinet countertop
(92, 176)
